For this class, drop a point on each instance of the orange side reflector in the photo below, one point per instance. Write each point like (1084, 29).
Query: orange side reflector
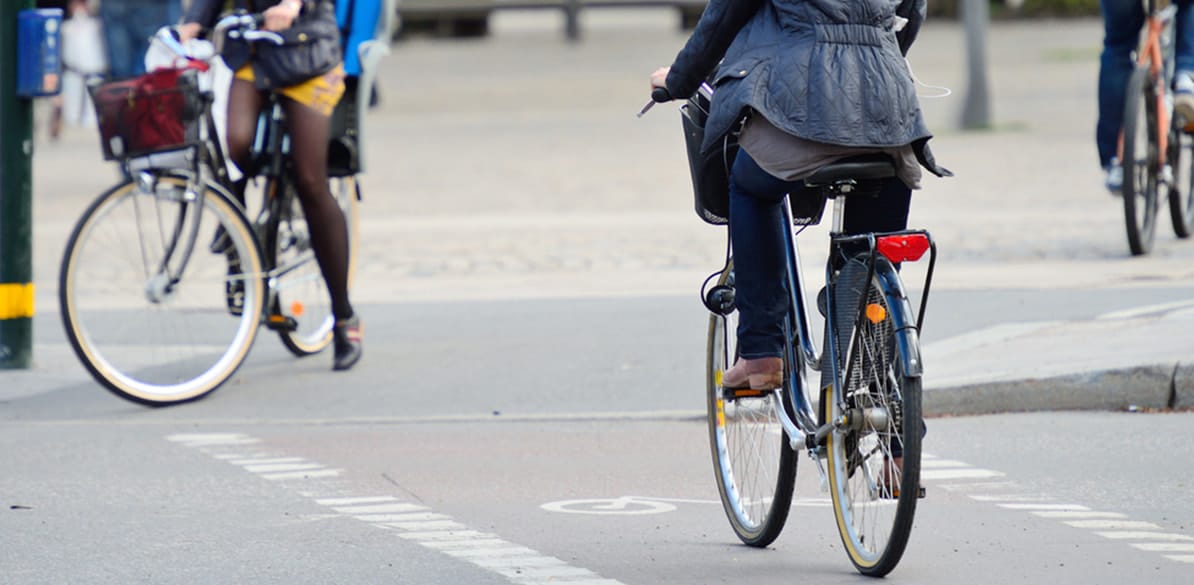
(296, 309)
(875, 313)
(903, 248)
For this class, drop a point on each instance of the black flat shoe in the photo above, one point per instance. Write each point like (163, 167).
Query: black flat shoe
(346, 342)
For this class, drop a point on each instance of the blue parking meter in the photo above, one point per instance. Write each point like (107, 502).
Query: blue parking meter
(39, 52)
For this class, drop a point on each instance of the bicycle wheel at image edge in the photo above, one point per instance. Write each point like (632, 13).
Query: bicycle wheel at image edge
(145, 301)
(1140, 161)
(1181, 192)
(874, 459)
(755, 468)
(301, 293)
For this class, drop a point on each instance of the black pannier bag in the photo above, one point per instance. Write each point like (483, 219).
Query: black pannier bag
(344, 150)
(710, 170)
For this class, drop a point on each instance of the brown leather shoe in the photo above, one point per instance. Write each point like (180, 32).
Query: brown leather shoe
(757, 374)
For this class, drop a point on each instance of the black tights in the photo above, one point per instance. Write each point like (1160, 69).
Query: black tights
(309, 131)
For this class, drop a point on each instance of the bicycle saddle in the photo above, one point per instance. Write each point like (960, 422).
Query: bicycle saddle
(858, 168)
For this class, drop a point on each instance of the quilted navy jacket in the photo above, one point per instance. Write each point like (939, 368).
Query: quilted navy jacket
(831, 71)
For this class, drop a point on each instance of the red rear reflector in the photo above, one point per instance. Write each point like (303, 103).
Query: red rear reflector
(903, 248)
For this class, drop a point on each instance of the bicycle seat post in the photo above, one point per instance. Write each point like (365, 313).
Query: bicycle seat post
(837, 193)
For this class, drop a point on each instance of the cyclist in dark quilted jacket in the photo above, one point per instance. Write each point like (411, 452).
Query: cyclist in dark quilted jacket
(804, 83)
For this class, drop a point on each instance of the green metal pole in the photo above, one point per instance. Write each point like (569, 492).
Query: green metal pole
(16, 201)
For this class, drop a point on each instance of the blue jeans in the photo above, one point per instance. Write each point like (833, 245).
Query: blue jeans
(757, 225)
(1122, 20)
(128, 26)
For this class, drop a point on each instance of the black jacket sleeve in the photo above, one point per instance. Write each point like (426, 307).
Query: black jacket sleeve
(914, 11)
(203, 12)
(718, 26)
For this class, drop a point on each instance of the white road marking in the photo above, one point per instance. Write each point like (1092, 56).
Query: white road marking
(396, 518)
(209, 439)
(395, 508)
(1145, 310)
(1070, 507)
(934, 463)
(1164, 536)
(1165, 546)
(1113, 524)
(282, 467)
(442, 535)
(468, 543)
(352, 501)
(975, 486)
(1010, 498)
(266, 460)
(512, 551)
(553, 574)
(980, 337)
(314, 474)
(971, 473)
(1076, 514)
(411, 522)
(570, 582)
(430, 525)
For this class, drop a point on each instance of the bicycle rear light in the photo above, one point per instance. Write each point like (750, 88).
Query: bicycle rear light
(904, 247)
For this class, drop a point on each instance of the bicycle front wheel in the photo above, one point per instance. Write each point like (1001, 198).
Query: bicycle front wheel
(755, 468)
(150, 309)
(301, 295)
(874, 453)
(1141, 161)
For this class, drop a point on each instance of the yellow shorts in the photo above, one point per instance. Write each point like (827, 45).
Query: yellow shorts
(320, 93)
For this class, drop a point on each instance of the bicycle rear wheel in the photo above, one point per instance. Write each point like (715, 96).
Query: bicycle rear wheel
(147, 306)
(1181, 191)
(874, 455)
(755, 468)
(1141, 161)
(301, 295)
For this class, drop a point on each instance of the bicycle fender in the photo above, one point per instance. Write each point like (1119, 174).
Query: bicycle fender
(906, 333)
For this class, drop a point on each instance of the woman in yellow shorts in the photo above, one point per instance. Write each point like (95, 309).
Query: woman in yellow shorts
(308, 107)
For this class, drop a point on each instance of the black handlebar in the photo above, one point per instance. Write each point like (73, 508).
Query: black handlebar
(661, 95)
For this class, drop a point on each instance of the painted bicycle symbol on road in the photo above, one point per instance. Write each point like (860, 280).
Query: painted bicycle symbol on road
(624, 505)
(642, 505)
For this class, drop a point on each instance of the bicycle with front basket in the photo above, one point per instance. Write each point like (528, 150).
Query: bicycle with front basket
(165, 280)
(862, 425)
(1156, 148)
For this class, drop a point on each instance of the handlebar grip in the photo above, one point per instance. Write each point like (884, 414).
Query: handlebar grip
(661, 95)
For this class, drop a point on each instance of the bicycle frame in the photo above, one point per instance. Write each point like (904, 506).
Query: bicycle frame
(1157, 53)
(803, 426)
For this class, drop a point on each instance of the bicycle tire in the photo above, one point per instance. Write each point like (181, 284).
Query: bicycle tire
(1181, 191)
(755, 468)
(1140, 162)
(302, 294)
(144, 334)
(874, 497)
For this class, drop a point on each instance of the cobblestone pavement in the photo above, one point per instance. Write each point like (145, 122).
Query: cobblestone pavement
(513, 166)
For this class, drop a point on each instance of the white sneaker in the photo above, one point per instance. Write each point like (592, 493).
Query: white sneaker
(1114, 177)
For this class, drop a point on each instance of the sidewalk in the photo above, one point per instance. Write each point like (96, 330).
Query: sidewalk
(513, 167)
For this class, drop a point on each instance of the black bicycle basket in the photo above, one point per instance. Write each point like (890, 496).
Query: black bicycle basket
(710, 170)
